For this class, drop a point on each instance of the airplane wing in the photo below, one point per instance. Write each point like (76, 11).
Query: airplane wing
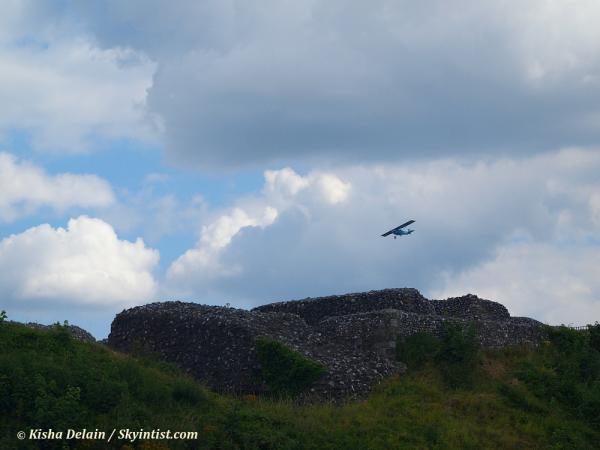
(397, 228)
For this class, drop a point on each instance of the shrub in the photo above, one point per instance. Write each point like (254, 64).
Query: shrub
(285, 371)
(417, 349)
(455, 353)
(574, 355)
(458, 354)
(188, 392)
(566, 340)
(567, 370)
(594, 331)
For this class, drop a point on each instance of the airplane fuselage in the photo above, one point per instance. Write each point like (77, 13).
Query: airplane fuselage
(401, 232)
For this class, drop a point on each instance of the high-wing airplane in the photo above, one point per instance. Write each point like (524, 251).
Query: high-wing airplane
(398, 231)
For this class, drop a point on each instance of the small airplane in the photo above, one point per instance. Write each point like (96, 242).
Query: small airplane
(398, 231)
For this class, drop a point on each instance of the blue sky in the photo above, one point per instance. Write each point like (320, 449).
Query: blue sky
(246, 152)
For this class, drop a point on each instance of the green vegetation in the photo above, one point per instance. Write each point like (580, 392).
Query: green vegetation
(595, 336)
(286, 372)
(455, 353)
(417, 349)
(567, 371)
(518, 398)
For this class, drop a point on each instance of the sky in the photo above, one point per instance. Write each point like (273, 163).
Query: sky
(248, 151)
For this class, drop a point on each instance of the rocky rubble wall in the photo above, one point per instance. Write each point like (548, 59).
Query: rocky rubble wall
(353, 336)
(379, 330)
(470, 307)
(216, 345)
(313, 310)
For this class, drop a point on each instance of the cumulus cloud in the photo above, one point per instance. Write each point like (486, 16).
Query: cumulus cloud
(203, 260)
(466, 215)
(84, 265)
(282, 191)
(243, 83)
(553, 283)
(285, 184)
(25, 187)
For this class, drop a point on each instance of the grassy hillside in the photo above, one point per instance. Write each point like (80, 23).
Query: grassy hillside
(517, 398)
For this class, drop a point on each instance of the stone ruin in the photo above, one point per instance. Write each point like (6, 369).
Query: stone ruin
(354, 335)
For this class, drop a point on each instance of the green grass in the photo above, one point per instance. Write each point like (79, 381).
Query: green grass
(517, 398)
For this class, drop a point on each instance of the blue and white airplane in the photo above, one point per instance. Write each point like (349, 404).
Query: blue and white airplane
(398, 231)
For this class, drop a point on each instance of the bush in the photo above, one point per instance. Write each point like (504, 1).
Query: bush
(567, 370)
(458, 354)
(286, 372)
(594, 331)
(188, 392)
(455, 353)
(417, 349)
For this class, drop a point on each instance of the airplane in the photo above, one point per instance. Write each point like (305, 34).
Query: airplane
(398, 231)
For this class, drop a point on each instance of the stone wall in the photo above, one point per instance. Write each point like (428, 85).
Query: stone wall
(313, 310)
(470, 307)
(216, 345)
(352, 335)
(379, 330)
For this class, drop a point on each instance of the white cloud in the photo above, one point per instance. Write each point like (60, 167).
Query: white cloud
(85, 265)
(215, 236)
(67, 94)
(332, 188)
(284, 189)
(553, 283)
(219, 234)
(284, 182)
(25, 187)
